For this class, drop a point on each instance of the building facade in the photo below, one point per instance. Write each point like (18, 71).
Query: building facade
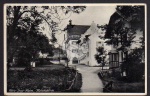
(82, 42)
(89, 46)
(73, 34)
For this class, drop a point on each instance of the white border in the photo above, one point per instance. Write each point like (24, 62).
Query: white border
(72, 4)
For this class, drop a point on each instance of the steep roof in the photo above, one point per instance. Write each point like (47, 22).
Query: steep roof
(77, 29)
(112, 20)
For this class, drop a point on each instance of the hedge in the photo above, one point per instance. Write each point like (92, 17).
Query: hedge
(41, 80)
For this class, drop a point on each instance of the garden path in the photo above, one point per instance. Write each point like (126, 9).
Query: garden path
(90, 79)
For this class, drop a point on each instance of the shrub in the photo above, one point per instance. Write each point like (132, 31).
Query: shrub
(135, 65)
(116, 73)
(77, 83)
(43, 61)
(136, 72)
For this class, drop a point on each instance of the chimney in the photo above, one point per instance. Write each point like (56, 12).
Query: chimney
(70, 22)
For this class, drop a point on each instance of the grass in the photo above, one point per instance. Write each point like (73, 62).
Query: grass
(54, 78)
(42, 67)
(122, 86)
(133, 87)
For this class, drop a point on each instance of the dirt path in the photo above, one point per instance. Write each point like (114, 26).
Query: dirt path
(91, 81)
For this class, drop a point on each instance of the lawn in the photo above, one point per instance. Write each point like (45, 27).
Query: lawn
(43, 67)
(51, 78)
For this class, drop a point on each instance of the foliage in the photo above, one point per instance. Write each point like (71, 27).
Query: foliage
(135, 65)
(103, 27)
(78, 83)
(121, 84)
(133, 16)
(121, 35)
(27, 44)
(23, 31)
(52, 15)
(122, 31)
(43, 61)
(101, 55)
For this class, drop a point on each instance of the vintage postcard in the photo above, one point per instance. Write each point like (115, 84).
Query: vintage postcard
(75, 49)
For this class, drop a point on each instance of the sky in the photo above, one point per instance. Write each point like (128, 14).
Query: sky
(97, 14)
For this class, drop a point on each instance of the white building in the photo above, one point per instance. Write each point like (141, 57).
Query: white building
(73, 34)
(88, 47)
(82, 51)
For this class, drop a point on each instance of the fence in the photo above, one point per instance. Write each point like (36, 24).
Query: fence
(108, 87)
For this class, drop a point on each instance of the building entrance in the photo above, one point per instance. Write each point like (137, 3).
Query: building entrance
(75, 60)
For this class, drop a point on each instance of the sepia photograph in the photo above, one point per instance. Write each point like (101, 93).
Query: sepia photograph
(79, 49)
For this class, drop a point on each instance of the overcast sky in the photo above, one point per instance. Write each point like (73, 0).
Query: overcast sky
(99, 14)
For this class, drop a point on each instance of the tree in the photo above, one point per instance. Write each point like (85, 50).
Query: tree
(23, 27)
(133, 14)
(52, 15)
(117, 29)
(29, 44)
(100, 56)
(121, 31)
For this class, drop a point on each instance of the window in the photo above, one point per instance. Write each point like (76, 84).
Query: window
(74, 50)
(74, 36)
(115, 57)
(114, 60)
(98, 44)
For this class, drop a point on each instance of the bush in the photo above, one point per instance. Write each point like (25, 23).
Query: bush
(43, 61)
(77, 83)
(64, 58)
(116, 73)
(22, 62)
(124, 87)
(136, 72)
(135, 65)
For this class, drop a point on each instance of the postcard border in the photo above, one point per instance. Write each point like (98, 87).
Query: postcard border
(94, 4)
